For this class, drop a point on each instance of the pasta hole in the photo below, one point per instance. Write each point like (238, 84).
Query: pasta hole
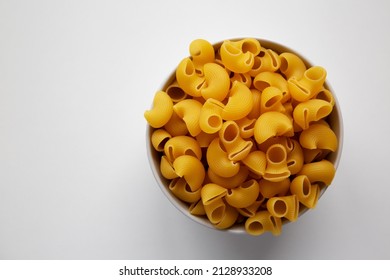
(201, 85)
(247, 184)
(291, 163)
(188, 188)
(280, 207)
(214, 121)
(256, 63)
(199, 72)
(323, 112)
(261, 85)
(249, 46)
(261, 53)
(170, 153)
(230, 133)
(189, 70)
(162, 143)
(283, 64)
(217, 214)
(274, 60)
(306, 187)
(256, 227)
(190, 152)
(272, 101)
(276, 153)
(176, 93)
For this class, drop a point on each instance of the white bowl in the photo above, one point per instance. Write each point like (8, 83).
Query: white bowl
(334, 119)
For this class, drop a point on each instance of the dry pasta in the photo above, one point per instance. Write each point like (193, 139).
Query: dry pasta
(243, 134)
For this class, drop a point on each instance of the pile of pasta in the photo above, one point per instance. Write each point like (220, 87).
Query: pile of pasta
(243, 135)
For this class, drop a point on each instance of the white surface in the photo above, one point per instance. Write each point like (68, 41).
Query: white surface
(75, 79)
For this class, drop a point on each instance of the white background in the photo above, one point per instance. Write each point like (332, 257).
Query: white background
(75, 79)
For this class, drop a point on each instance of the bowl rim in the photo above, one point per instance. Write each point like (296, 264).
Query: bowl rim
(334, 157)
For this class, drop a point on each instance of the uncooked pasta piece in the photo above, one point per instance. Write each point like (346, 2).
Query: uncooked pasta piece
(217, 82)
(239, 104)
(272, 124)
(256, 162)
(188, 79)
(182, 145)
(191, 169)
(311, 111)
(210, 117)
(189, 111)
(181, 190)
(322, 171)
(276, 169)
(318, 136)
(291, 65)
(161, 112)
(284, 207)
(229, 182)
(219, 162)
(270, 189)
(306, 193)
(244, 195)
(262, 222)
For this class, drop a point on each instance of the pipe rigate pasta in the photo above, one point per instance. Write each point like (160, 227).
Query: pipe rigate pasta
(311, 111)
(217, 82)
(272, 124)
(189, 111)
(244, 134)
(244, 195)
(236, 147)
(291, 65)
(309, 85)
(239, 104)
(202, 52)
(180, 189)
(262, 222)
(321, 171)
(229, 182)
(159, 138)
(182, 145)
(284, 207)
(191, 169)
(188, 79)
(210, 118)
(306, 193)
(162, 110)
(219, 162)
(318, 136)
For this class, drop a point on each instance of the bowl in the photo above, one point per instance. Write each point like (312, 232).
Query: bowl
(334, 120)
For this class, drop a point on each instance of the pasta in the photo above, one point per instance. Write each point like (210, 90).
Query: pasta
(244, 195)
(309, 85)
(161, 112)
(191, 169)
(244, 134)
(189, 111)
(236, 147)
(318, 136)
(272, 124)
(239, 104)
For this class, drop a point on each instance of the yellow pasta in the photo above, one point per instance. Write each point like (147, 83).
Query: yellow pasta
(311, 111)
(202, 52)
(244, 195)
(229, 182)
(284, 207)
(256, 162)
(189, 111)
(219, 162)
(256, 108)
(182, 145)
(175, 92)
(159, 138)
(244, 78)
(215, 210)
(161, 112)
(197, 208)
(322, 171)
(246, 126)
(306, 193)
(181, 190)
(309, 85)
(228, 219)
(188, 79)
(239, 104)
(211, 192)
(191, 169)
(166, 168)
(318, 136)
(272, 124)
(242, 134)
(270, 189)
(176, 126)
(204, 139)
(262, 222)
(295, 158)
(239, 56)
(210, 117)
(236, 147)
(217, 82)
(291, 65)
(271, 100)
(276, 169)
